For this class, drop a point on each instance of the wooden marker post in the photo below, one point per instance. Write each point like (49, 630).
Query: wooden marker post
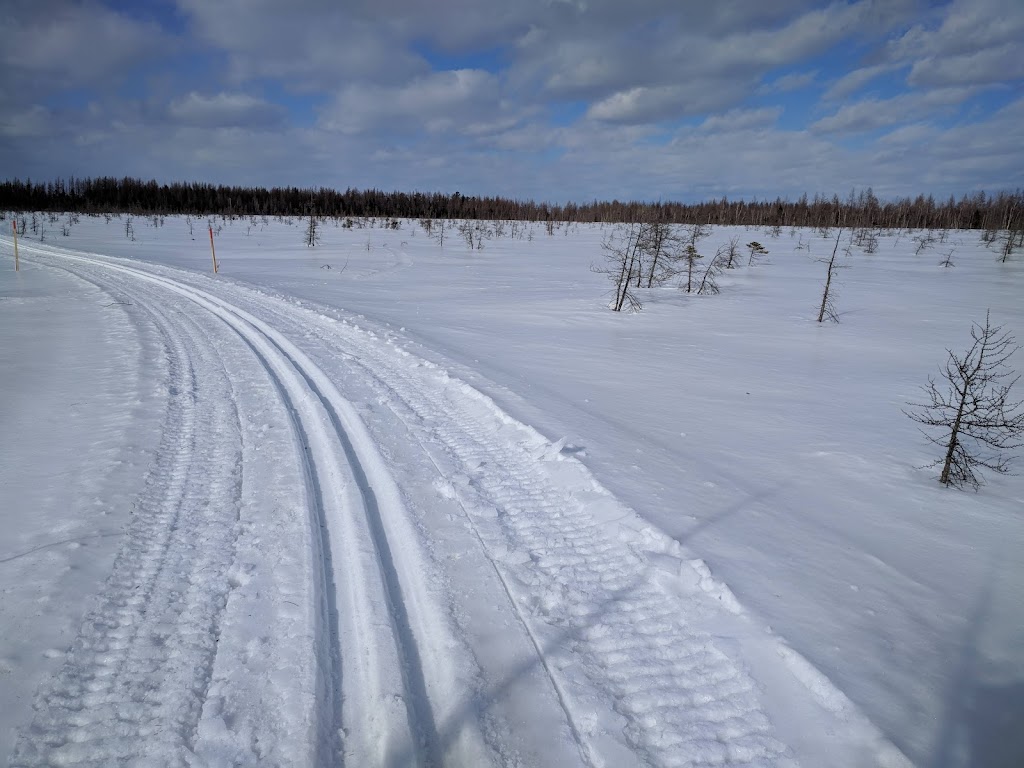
(213, 251)
(14, 228)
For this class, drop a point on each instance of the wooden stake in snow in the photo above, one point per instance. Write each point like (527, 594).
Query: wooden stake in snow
(213, 251)
(14, 227)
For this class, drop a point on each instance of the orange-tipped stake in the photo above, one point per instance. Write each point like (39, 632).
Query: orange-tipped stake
(213, 251)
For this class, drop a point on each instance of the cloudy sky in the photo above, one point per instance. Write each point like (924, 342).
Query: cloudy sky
(548, 99)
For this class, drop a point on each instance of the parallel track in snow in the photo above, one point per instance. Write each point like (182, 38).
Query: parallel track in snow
(592, 637)
(141, 667)
(373, 688)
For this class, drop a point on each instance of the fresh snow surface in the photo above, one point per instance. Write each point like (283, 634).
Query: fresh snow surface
(387, 502)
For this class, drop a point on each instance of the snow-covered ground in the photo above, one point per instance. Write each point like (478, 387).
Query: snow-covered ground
(388, 501)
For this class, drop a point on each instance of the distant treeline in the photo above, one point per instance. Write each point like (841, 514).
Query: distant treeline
(863, 209)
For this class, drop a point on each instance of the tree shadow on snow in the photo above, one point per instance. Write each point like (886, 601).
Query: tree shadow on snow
(995, 720)
(474, 710)
(983, 725)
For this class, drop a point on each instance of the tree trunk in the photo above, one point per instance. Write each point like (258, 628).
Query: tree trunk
(947, 466)
(828, 281)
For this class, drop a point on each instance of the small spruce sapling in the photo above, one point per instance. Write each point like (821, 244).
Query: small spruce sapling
(756, 252)
(691, 256)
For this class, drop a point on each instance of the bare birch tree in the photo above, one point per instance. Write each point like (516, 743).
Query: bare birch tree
(709, 280)
(730, 252)
(622, 249)
(661, 246)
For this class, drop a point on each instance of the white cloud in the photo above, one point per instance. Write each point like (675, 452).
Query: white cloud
(794, 81)
(644, 104)
(679, 68)
(35, 121)
(612, 74)
(225, 110)
(441, 101)
(870, 114)
(748, 156)
(66, 44)
(308, 44)
(967, 26)
(742, 120)
(853, 81)
(991, 65)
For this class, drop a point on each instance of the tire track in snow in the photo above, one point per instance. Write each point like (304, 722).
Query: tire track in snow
(386, 712)
(640, 621)
(679, 699)
(328, 696)
(683, 701)
(618, 610)
(420, 715)
(617, 614)
(141, 666)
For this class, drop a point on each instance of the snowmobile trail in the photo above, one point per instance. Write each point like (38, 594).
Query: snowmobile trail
(359, 610)
(438, 584)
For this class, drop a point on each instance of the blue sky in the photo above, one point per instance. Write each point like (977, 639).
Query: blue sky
(547, 99)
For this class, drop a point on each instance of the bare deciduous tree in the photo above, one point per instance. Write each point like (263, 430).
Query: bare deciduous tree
(977, 422)
(660, 243)
(924, 241)
(729, 253)
(1010, 239)
(696, 232)
(867, 239)
(828, 308)
(312, 230)
(622, 248)
(474, 232)
(708, 281)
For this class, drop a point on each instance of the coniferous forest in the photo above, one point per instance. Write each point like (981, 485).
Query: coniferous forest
(858, 209)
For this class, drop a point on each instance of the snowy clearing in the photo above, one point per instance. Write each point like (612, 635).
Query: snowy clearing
(386, 502)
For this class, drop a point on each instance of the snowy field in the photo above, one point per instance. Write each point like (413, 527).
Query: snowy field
(390, 502)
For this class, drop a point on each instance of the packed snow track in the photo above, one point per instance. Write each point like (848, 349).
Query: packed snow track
(344, 556)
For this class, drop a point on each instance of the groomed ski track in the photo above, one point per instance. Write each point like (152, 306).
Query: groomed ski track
(282, 599)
